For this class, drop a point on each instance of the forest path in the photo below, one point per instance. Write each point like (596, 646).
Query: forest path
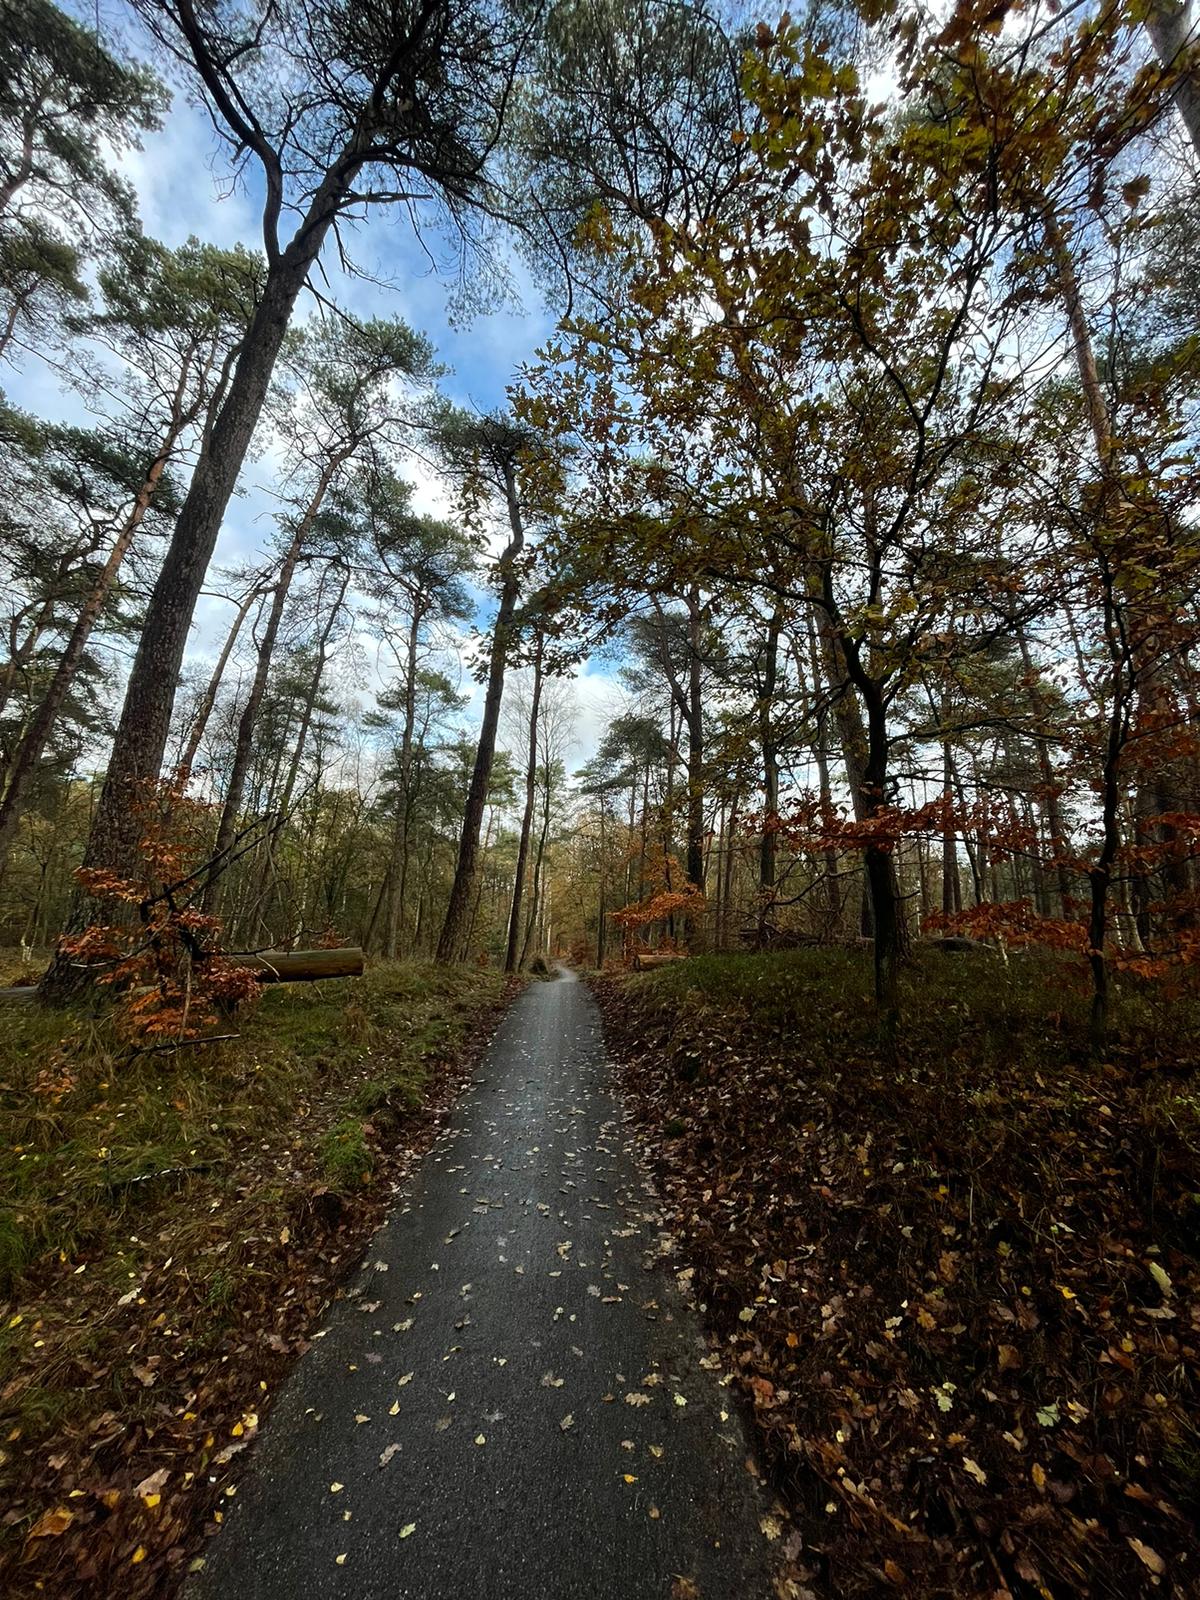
(508, 1338)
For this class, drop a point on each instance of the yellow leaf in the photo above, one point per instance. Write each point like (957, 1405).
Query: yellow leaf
(138, 1555)
(1148, 1557)
(51, 1523)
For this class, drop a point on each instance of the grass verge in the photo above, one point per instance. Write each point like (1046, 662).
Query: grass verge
(170, 1228)
(961, 1291)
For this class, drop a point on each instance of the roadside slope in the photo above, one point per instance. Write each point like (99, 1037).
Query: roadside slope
(171, 1227)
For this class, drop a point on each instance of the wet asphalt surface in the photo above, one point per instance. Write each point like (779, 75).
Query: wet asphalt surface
(514, 1400)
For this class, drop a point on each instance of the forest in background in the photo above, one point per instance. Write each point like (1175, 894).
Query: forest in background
(861, 465)
(864, 452)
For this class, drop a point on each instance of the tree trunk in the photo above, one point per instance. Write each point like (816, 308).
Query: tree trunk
(877, 857)
(539, 861)
(33, 741)
(514, 920)
(144, 724)
(1048, 802)
(602, 908)
(768, 844)
(852, 738)
(730, 862)
(949, 847)
(244, 739)
(1152, 664)
(20, 651)
(209, 700)
(687, 699)
(1176, 40)
(881, 878)
(311, 698)
(453, 928)
(310, 702)
(398, 867)
(695, 756)
(833, 893)
(474, 917)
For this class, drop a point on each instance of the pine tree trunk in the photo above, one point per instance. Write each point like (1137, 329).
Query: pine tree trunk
(1176, 38)
(205, 709)
(398, 866)
(539, 862)
(33, 741)
(514, 919)
(450, 943)
(144, 724)
(244, 738)
(602, 906)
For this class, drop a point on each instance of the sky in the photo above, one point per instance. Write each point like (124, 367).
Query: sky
(183, 189)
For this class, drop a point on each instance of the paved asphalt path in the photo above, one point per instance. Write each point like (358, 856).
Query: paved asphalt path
(513, 1401)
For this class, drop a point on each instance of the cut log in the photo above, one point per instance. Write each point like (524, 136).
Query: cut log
(303, 966)
(271, 966)
(647, 960)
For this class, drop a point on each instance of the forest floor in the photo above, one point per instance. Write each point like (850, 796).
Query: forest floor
(171, 1228)
(961, 1291)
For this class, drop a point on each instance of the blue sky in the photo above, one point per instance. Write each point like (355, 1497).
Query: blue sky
(182, 185)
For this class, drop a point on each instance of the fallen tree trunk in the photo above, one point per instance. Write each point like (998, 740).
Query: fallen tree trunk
(303, 966)
(647, 960)
(271, 966)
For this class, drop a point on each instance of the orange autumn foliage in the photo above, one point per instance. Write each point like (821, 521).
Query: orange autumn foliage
(173, 980)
